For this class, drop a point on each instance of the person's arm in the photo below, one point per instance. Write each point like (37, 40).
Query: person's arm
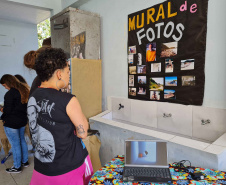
(77, 117)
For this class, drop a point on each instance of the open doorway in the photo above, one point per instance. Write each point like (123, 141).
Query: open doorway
(43, 29)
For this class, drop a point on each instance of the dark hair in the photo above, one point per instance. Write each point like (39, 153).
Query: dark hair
(12, 82)
(49, 61)
(20, 78)
(47, 42)
(29, 59)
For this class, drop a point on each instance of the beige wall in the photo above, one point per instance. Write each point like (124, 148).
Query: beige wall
(87, 85)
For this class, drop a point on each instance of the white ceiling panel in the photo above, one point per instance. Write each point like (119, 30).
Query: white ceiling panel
(23, 13)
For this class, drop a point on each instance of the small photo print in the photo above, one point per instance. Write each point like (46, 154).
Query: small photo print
(156, 84)
(188, 80)
(169, 66)
(130, 59)
(133, 70)
(156, 67)
(139, 59)
(188, 64)
(155, 95)
(151, 52)
(132, 50)
(171, 81)
(142, 80)
(131, 80)
(132, 91)
(142, 91)
(141, 69)
(169, 49)
(69, 61)
(169, 94)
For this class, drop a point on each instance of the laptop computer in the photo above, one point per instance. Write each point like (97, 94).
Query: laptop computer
(146, 161)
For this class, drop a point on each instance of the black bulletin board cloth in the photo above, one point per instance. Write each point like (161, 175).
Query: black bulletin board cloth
(166, 52)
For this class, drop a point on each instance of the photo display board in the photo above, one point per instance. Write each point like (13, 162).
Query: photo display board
(166, 52)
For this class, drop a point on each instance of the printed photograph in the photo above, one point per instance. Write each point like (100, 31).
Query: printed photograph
(142, 91)
(169, 66)
(156, 84)
(188, 80)
(133, 70)
(142, 153)
(130, 59)
(132, 50)
(155, 95)
(171, 81)
(169, 49)
(169, 94)
(132, 91)
(78, 44)
(142, 80)
(188, 64)
(68, 89)
(141, 69)
(139, 59)
(69, 61)
(156, 67)
(131, 80)
(151, 52)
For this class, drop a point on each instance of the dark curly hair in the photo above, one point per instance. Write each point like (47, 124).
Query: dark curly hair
(49, 61)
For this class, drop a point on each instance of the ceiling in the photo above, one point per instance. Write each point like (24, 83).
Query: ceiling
(29, 14)
(23, 13)
(79, 3)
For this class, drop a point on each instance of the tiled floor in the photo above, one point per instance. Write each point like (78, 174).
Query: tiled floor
(22, 178)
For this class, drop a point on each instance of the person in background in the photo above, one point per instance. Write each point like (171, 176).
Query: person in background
(29, 61)
(21, 79)
(60, 155)
(15, 119)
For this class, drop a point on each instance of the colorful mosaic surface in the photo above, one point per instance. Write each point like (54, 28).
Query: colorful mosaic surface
(112, 172)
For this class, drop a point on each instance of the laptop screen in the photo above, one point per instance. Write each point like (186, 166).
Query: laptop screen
(146, 153)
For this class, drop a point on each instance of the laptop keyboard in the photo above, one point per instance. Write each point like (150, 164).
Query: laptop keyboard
(148, 172)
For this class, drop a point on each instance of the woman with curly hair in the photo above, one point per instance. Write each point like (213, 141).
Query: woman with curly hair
(57, 125)
(15, 119)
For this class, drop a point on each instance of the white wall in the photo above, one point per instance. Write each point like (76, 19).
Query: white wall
(114, 47)
(22, 38)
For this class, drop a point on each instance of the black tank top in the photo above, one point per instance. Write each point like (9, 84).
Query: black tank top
(58, 149)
